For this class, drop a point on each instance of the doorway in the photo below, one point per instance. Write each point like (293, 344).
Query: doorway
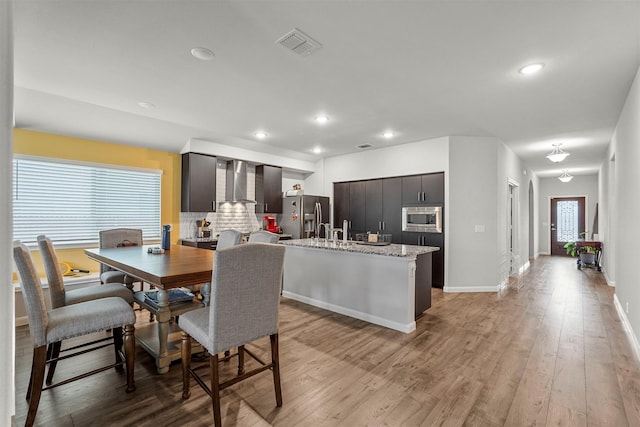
(567, 222)
(513, 215)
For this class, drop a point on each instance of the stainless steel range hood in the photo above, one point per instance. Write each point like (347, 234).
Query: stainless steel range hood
(236, 186)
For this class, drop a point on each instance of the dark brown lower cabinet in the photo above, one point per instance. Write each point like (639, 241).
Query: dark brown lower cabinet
(423, 283)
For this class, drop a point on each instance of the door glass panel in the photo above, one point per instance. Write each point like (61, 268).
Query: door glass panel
(567, 221)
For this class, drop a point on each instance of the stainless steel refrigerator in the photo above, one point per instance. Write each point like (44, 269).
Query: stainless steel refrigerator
(302, 214)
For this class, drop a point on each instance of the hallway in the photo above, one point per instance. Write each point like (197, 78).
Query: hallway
(548, 350)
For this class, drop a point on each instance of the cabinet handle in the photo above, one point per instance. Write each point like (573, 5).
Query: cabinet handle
(266, 207)
(379, 225)
(213, 206)
(384, 225)
(424, 198)
(419, 199)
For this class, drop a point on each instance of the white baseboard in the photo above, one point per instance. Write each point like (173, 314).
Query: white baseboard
(525, 267)
(627, 325)
(610, 282)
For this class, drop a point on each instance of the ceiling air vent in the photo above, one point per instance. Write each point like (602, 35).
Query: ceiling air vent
(364, 146)
(298, 42)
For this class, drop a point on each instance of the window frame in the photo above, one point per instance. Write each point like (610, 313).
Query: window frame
(148, 239)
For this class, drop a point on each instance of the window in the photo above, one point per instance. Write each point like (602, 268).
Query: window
(71, 201)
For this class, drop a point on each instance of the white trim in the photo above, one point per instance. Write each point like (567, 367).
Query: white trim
(83, 163)
(410, 327)
(627, 326)
(611, 283)
(460, 289)
(525, 267)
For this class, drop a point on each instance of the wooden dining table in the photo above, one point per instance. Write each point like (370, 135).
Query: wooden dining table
(179, 266)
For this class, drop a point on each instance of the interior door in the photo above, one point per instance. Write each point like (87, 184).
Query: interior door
(567, 222)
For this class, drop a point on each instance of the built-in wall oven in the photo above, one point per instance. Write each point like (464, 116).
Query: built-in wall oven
(422, 219)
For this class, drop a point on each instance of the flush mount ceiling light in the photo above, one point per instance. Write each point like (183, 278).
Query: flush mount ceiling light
(388, 134)
(565, 177)
(147, 105)
(557, 155)
(260, 135)
(317, 150)
(321, 119)
(202, 53)
(531, 68)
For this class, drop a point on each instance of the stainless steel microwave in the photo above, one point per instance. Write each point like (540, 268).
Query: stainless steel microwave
(422, 219)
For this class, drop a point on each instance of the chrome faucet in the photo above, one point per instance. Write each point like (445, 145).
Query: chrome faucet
(327, 230)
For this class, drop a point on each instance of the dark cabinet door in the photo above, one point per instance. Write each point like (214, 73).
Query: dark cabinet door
(373, 205)
(392, 208)
(357, 206)
(198, 183)
(430, 239)
(433, 188)
(340, 203)
(268, 189)
(411, 190)
(436, 239)
(423, 189)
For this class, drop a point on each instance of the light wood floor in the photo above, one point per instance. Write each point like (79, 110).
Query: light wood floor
(549, 350)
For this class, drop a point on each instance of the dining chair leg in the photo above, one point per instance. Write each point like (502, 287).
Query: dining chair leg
(185, 353)
(39, 363)
(53, 352)
(240, 360)
(117, 345)
(130, 355)
(215, 389)
(275, 359)
(33, 361)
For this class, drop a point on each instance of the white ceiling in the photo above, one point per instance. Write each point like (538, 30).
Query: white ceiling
(421, 68)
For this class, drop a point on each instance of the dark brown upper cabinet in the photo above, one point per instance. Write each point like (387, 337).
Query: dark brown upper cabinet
(268, 189)
(423, 189)
(198, 183)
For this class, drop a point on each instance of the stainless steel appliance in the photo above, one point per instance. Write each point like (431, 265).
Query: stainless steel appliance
(302, 215)
(422, 219)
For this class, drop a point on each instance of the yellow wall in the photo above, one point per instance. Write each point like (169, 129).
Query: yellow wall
(64, 147)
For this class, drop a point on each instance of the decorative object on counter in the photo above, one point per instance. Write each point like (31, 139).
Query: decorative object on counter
(155, 250)
(374, 239)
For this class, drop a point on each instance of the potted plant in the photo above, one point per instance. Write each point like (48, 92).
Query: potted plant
(586, 253)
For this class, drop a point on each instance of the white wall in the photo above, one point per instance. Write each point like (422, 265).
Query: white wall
(472, 203)
(7, 335)
(606, 221)
(626, 210)
(580, 185)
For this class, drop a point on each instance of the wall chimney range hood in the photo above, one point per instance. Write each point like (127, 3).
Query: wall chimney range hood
(236, 186)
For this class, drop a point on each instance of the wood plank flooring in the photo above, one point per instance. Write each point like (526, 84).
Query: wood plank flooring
(550, 350)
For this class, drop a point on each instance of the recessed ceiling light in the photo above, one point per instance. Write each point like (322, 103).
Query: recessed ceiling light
(531, 68)
(388, 134)
(147, 105)
(321, 119)
(260, 135)
(317, 150)
(202, 53)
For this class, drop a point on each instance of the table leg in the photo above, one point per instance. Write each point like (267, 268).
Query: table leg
(205, 290)
(163, 316)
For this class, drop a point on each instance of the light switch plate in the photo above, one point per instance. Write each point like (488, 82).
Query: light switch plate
(479, 229)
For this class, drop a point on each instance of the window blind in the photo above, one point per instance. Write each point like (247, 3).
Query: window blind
(72, 202)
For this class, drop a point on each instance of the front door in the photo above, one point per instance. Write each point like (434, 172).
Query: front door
(567, 222)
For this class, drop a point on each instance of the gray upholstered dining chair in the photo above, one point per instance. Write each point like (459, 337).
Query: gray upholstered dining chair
(114, 238)
(228, 238)
(245, 290)
(60, 297)
(263, 236)
(58, 324)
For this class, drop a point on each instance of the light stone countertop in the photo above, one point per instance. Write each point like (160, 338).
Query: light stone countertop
(392, 249)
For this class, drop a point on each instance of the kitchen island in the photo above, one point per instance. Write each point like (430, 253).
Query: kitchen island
(387, 285)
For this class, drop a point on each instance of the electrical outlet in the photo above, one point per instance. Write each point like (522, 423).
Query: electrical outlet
(627, 307)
